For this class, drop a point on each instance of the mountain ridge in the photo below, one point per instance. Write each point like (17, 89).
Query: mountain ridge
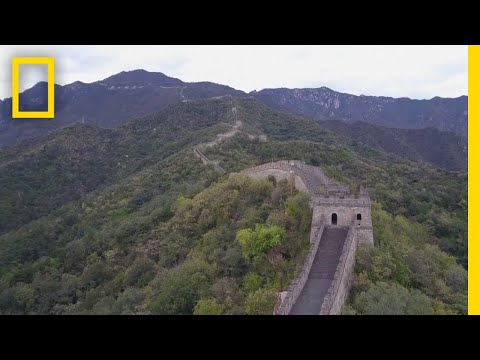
(141, 76)
(450, 114)
(127, 95)
(107, 103)
(326, 88)
(129, 221)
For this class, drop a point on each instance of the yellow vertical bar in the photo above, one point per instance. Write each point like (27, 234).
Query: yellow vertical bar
(51, 87)
(473, 179)
(15, 88)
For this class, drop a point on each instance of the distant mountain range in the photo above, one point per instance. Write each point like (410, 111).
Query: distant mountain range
(448, 114)
(113, 101)
(106, 103)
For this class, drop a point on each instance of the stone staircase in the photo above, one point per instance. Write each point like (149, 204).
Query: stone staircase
(322, 272)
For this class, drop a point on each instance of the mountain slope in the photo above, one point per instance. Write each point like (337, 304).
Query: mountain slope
(111, 102)
(106, 103)
(438, 148)
(38, 177)
(153, 230)
(404, 113)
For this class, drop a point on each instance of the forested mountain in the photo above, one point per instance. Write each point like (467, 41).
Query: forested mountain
(439, 148)
(106, 103)
(447, 114)
(129, 221)
(128, 95)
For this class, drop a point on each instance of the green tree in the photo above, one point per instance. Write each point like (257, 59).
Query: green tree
(128, 300)
(252, 282)
(25, 297)
(392, 299)
(208, 307)
(261, 302)
(256, 243)
(183, 287)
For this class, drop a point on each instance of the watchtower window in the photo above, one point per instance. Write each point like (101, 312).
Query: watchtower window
(359, 216)
(334, 219)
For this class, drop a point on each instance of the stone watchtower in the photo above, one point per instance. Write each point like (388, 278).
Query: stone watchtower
(342, 207)
(341, 221)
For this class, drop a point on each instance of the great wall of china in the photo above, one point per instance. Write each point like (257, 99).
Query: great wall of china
(235, 129)
(341, 222)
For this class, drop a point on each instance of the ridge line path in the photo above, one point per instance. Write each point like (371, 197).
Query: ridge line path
(219, 138)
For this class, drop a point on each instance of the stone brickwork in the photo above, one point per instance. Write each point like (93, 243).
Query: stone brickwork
(338, 292)
(279, 174)
(356, 211)
(334, 205)
(297, 285)
(365, 235)
(198, 153)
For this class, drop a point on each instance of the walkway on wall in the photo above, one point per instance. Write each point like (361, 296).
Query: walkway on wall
(219, 138)
(321, 274)
(312, 177)
(236, 128)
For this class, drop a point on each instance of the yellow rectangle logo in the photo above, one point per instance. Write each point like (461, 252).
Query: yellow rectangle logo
(16, 62)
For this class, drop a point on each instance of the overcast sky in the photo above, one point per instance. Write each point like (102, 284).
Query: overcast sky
(419, 72)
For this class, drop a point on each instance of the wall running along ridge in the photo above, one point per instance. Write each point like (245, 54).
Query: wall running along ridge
(328, 198)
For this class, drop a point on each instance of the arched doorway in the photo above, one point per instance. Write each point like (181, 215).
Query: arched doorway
(334, 219)
(359, 216)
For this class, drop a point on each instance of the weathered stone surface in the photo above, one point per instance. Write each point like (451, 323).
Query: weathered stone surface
(340, 286)
(297, 285)
(322, 272)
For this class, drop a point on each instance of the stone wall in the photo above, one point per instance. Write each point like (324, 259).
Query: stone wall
(297, 285)
(285, 168)
(341, 283)
(279, 174)
(346, 210)
(365, 235)
(339, 200)
(282, 165)
(202, 156)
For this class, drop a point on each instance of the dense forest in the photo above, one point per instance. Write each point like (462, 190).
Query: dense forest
(227, 250)
(129, 221)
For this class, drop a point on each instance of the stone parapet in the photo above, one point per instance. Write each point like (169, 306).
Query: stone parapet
(340, 286)
(297, 285)
(331, 201)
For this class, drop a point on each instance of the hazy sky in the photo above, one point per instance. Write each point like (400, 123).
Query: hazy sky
(420, 72)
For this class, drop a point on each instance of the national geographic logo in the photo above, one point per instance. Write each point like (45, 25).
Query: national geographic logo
(16, 62)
